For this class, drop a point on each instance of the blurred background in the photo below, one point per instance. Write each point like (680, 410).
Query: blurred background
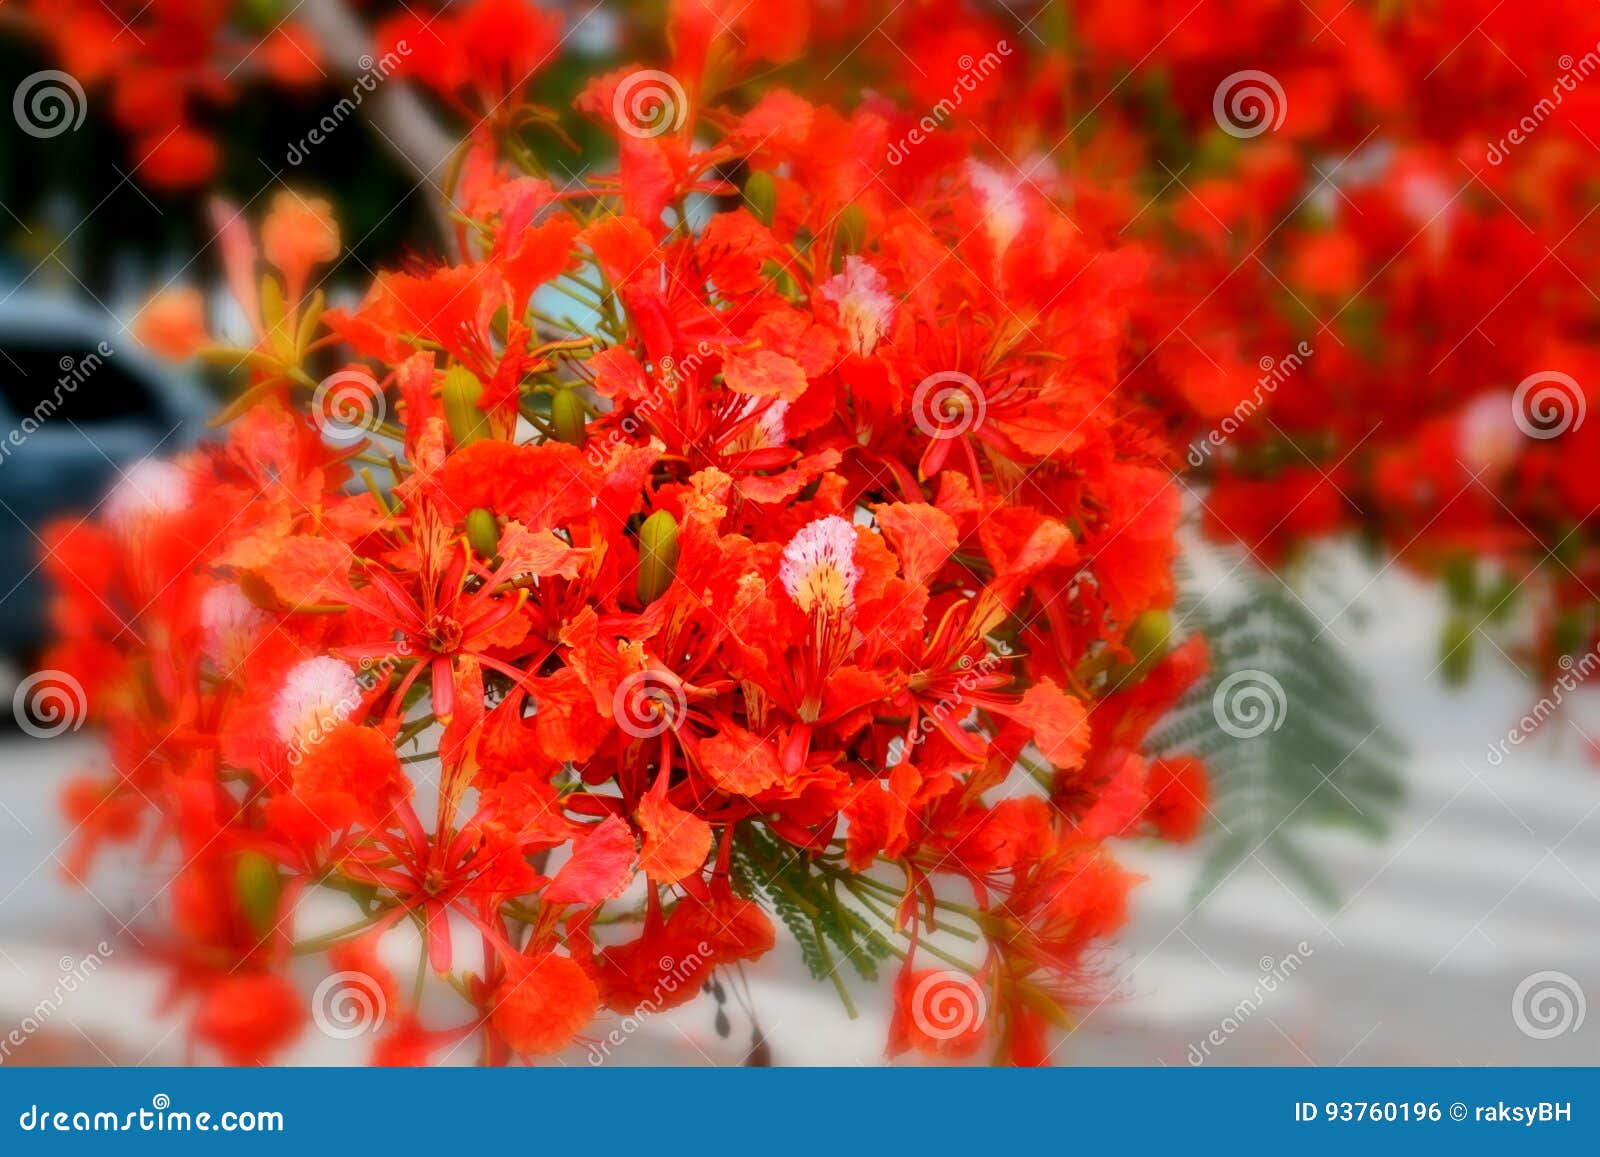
(1404, 862)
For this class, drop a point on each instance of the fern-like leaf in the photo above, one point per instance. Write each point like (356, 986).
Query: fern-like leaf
(1288, 733)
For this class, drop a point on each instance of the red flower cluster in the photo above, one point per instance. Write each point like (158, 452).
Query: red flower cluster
(745, 526)
(1375, 252)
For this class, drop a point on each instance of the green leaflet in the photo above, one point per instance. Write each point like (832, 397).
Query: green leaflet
(805, 895)
(1315, 756)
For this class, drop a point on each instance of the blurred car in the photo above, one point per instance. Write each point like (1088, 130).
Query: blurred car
(79, 403)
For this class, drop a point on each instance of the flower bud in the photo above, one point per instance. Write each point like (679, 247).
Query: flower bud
(658, 555)
(761, 194)
(460, 394)
(256, 883)
(567, 418)
(483, 532)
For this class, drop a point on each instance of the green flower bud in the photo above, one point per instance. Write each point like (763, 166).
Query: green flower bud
(658, 555)
(851, 233)
(256, 883)
(460, 395)
(483, 532)
(568, 418)
(761, 194)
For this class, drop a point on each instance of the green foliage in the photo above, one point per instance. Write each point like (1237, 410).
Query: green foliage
(805, 893)
(1288, 733)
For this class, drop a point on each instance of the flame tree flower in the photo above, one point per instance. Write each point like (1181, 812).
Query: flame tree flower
(748, 529)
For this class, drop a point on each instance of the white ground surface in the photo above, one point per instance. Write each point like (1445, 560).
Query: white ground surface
(1492, 874)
